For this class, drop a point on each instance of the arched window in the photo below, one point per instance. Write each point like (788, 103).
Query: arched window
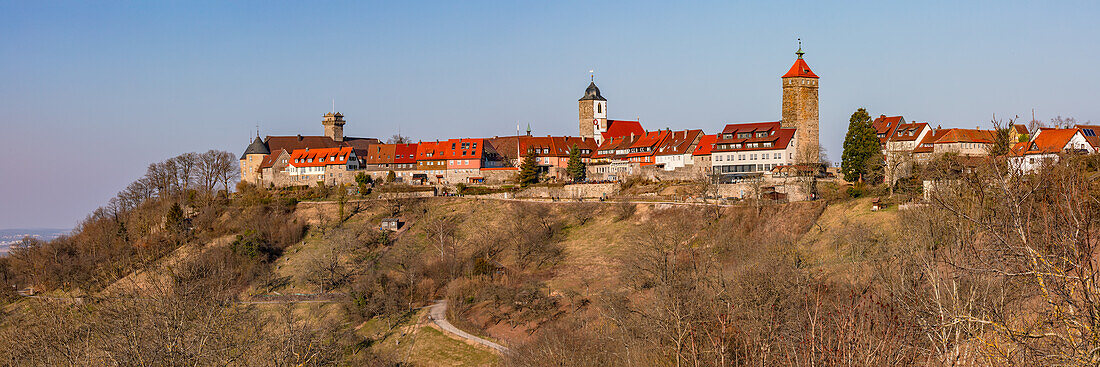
(599, 108)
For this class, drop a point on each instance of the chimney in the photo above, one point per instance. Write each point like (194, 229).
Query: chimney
(299, 137)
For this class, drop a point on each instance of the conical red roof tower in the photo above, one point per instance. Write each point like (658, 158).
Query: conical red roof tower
(800, 69)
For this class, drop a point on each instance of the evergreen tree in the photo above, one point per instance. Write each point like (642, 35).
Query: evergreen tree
(174, 221)
(529, 169)
(860, 145)
(576, 166)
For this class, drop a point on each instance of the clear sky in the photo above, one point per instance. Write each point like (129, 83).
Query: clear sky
(91, 93)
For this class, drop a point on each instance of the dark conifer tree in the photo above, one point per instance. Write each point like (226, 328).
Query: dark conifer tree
(576, 167)
(860, 144)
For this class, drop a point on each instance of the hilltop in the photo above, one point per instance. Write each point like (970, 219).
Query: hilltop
(308, 276)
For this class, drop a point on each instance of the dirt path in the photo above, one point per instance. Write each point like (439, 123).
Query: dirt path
(438, 314)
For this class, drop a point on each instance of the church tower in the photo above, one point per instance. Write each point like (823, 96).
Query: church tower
(334, 126)
(593, 113)
(800, 108)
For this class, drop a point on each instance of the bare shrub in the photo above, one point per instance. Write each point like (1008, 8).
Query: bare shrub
(624, 210)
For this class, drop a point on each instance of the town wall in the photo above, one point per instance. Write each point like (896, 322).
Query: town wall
(571, 191)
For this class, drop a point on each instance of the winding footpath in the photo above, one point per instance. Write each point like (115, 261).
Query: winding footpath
(438, 314)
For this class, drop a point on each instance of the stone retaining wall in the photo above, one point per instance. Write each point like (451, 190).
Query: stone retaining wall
(571, 191)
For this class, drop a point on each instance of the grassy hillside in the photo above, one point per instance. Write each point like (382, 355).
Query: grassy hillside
(511, 269)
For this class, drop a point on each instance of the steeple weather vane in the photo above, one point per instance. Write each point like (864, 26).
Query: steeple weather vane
(592, 75)
(799, 53)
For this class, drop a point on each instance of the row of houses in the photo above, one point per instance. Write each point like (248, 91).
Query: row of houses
(906, 143)
(611, 149)
(626, 149)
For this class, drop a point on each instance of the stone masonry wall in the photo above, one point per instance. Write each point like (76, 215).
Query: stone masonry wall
(800, 111)
(586, 115)
(590, 191)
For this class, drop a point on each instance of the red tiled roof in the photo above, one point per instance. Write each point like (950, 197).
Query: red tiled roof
(750, 127)
(269, 160)
(776, 135)
(650, 140)
(292, 143)
(966, 136)
(1050, 141)
(546, 146)
(779, 139)
(406, 153)
(929, 139)
(910, 132)
(319, 157)
(800, 70)
(619, 128)
(429, 151)
(1091, 134)
(1020, 129)
(613, 144)
(706, 143)
(679, 142)
(885, 125)
(453, 148)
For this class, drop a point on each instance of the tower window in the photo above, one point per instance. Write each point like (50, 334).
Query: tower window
(599, 108)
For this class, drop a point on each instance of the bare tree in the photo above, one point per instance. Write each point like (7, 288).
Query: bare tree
(399, 139)
(325, 270)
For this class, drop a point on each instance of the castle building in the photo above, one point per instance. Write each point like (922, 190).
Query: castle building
(268, 161)
(800, 108)
(334, 126)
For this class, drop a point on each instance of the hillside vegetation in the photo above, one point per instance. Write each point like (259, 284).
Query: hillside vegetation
(982, 274)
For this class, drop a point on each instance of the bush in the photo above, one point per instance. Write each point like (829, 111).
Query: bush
(624, 210)
(363, 179)
(857, 191)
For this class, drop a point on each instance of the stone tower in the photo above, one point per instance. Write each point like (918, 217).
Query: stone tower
(593, 113)
(800, 108)
(251, 159)
(334, 126)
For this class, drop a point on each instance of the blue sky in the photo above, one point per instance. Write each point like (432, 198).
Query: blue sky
(91, 93)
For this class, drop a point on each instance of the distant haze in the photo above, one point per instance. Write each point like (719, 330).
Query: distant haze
(12, 236)
(91, 93)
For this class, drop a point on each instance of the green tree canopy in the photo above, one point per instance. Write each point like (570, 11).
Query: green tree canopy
(576, 167)
(529, 169)
(860, 145)
(363, 179)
